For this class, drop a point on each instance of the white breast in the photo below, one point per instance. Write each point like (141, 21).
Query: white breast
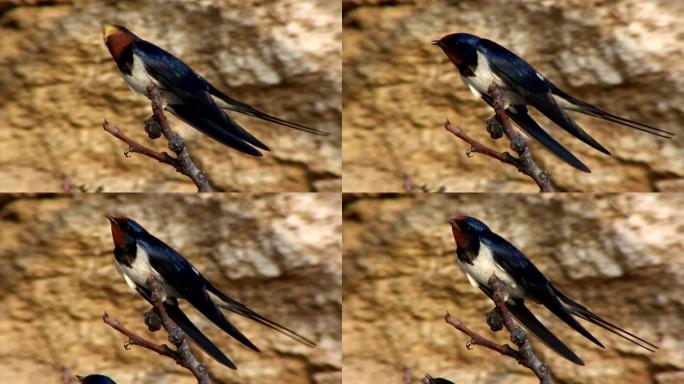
(138, 80)
(479, 84)
(140, 270)
(482, 269)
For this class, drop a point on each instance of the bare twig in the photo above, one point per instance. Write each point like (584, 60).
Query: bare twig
(183, 163)
(524, 354)
(177, 144)
(134, 339)
(135, 147)
(176, 335)
(476, 339)
(518, 334)
(66, 376)
(407, 375)
(183, 355)
(524, 162)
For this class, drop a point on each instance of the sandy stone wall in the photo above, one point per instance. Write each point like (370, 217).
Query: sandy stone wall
(58, 82)
(624, 56)
(620, 255)
(278, 254)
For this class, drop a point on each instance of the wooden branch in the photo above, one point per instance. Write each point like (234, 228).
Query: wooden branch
(134, 339)
(176, 335)
(519, 335)
(183, 163)
(183, 355)
(177, 144)
(66, 376)
(135, 147)
(524, 355)
(524, 163)
(476, 339)
(407, 375)
(519, 143)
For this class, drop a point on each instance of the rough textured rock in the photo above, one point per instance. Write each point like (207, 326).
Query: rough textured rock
(58, 82)
(621, 255)
(625, 56)
(280, 254)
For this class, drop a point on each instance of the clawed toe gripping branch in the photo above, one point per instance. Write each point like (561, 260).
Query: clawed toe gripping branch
(496, 126)
(500, 314)
(155, 126)
(155, 318)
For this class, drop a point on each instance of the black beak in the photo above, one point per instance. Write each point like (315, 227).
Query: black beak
(437, 42)
(111, 219)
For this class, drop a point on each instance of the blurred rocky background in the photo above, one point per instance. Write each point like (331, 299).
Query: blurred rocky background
(58, 82)
(626, 56)
(279, 254)
(620, 255)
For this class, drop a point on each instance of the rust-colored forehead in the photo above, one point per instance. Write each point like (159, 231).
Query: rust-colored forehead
(116, 217)
(459, 235)
(117, 233)
(117, 39)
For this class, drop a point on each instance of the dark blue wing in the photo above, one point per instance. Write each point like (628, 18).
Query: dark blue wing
(536, 285)
(178, 78)
(190, 284)
(526, 82)
(214, 129)
(95, 379)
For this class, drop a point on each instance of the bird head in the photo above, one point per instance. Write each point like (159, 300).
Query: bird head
(467, 229)
(431, 380)
(124, 230)
(458, 46)
(95, 379)
(117, 38)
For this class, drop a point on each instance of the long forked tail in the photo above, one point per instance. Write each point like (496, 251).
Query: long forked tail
(592, 110)
(527, 124)
(581, 311)
(232, 305)
(228, 103)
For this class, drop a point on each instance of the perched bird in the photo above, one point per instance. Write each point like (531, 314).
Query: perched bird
(139, 255)
(187, 95)
(481, 62)
(481, 253)
(95, 379)
(431, 380)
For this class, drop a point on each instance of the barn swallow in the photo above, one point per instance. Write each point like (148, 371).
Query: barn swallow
(481, 253)
(481, 62)
(139, 255)
(431, 380)
(95, 379)
(187, 94)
